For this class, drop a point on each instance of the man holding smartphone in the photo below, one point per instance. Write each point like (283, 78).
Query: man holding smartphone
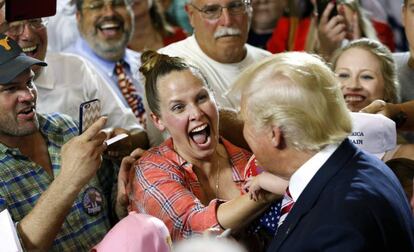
(50, 179)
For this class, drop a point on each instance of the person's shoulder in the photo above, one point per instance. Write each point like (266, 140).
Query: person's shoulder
(59, 122)
(177, 48)
(256, 52)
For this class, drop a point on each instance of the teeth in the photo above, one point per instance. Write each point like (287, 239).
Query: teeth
(109, 26)
(29, 49)
(353, 98)
(198, 129)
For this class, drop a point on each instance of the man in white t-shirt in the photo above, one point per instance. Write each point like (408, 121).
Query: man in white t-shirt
(218, 46)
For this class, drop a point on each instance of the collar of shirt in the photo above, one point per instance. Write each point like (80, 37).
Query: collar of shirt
(106, 65)
(237, 160)
(47, 127)
(305, 173)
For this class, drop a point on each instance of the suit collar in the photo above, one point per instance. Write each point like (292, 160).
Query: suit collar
(311, 193)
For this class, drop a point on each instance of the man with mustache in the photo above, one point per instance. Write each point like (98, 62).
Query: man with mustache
(105, 27)
(218, 46)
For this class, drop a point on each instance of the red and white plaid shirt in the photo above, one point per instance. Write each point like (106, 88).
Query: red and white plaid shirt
(164, 185)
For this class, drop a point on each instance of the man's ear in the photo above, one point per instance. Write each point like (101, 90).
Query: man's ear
(190, 14)
(78, 16)
(157, 122)
(277, 137)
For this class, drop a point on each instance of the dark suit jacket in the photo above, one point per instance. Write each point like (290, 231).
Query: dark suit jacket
(353, 203)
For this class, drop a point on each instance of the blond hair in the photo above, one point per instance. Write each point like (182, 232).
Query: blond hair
(298, 93)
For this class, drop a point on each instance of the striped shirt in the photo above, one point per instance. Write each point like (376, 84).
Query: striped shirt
(164, 185)
(22, 182)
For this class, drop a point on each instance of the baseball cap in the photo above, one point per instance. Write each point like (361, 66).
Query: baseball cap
(136, 232)
(373, 133)
(12, 60)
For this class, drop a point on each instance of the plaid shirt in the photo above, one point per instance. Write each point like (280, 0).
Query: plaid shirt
(164, 185)
(22, 182)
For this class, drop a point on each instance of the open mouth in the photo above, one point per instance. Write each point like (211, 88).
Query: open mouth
(30, 51)
(26, 111)
(109, 28)
(354, 98)
(201, 134)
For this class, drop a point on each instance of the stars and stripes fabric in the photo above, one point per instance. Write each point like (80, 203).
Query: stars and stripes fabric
(129, 92)
(287, 204)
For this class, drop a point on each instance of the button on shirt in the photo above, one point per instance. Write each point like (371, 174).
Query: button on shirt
(22, 182)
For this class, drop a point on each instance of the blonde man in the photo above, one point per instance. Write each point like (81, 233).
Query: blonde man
(340, 198)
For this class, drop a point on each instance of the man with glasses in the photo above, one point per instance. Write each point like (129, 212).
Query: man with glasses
(106, 27)
(218, 46)
(69, 80)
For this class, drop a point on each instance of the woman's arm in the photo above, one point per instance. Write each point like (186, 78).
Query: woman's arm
(163, 190)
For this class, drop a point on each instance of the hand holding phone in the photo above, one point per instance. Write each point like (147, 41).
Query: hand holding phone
(321, 6)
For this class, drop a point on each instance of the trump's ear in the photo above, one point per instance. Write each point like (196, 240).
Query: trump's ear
(277, 137)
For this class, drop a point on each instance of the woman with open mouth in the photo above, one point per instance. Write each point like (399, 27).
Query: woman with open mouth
(193, 181)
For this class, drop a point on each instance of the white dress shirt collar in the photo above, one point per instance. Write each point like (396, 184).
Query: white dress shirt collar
(305, 173)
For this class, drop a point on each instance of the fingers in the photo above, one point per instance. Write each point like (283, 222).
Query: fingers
(326, 13)
(94, 129)
(137, 153)
(375, 107)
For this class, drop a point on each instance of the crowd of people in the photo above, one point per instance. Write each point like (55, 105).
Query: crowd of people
(252, 125)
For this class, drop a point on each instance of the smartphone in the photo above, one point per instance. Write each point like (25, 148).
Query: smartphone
(29, 9)
(89, 112)
(321, 6)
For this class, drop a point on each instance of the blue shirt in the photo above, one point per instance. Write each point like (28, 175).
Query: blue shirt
(106, 68)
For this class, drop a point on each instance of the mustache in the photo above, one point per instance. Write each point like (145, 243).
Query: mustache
(226, 31)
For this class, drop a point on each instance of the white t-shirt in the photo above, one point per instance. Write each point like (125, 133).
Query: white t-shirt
(219, 76)
(69, 80)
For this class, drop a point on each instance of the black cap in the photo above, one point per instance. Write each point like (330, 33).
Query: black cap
(12, 60)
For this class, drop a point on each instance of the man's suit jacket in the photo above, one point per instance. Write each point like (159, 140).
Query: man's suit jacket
(353, 203)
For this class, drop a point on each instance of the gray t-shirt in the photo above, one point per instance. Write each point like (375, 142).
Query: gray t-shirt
(405, 76)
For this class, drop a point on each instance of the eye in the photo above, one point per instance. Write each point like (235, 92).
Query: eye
(236, 6)
(9, 89)
(177, 107)
(367, 77)
(30, 84)
(342, 75)
(211, 9)
(202, 97)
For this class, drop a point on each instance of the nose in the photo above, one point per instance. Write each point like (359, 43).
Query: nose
(225, 18)
(27, 33)
(108, 8)
(195, 113)
(353, 83)
(26, 95)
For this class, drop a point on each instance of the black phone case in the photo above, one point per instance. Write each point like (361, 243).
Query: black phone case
(321, 6)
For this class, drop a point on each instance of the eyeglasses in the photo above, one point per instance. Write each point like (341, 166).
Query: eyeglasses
(214, 11)
(98, 5)
(17, 28)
